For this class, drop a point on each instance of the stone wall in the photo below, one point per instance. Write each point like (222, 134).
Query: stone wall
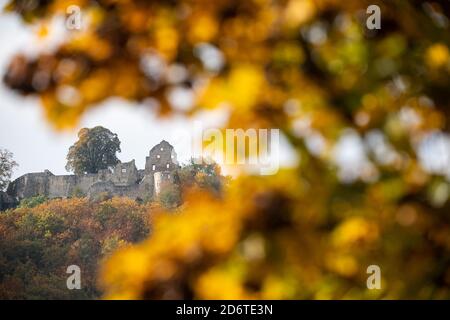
(125, 174)
(162, 179)
(6, 201)
(146, 187)
(69, 185)
(123, 180)
(142, 190)
(30, 185)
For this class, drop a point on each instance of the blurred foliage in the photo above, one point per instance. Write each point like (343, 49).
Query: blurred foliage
(38, 243)
(310, 68)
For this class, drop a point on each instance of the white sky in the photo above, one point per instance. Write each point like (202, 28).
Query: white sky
(36, 146)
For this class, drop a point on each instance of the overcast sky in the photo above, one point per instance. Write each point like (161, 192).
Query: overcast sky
(36, 146)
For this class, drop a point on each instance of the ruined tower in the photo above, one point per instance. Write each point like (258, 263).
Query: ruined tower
(161, 163)
(162, 157)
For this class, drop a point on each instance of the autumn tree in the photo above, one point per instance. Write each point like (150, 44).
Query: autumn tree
(95, 149)
(202, 173)
(39, 241)
(7, 165)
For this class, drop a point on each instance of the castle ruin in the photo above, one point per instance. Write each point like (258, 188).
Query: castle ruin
(122, 180)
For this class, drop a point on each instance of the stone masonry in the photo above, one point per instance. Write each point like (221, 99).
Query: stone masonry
(122, 180)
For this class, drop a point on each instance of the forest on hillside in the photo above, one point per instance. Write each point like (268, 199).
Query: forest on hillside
(42, 237)
(39, 241)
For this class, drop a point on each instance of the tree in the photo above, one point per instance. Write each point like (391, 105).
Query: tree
(39, 242)
(7, 165)
(32, 202)
(95, 150)
(202, 173)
